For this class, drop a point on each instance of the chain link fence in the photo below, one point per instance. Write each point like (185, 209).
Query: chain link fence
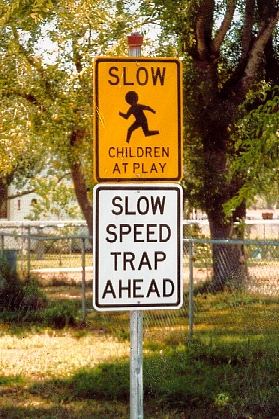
(217, 353)
(248, 276)
(247, 273)
(56, 256)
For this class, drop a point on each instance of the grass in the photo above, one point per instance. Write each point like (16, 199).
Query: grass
(229, 370)
(228, 381)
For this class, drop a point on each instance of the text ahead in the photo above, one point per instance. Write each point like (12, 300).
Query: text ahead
(137, 247)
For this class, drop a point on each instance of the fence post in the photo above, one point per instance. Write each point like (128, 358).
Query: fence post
(2, 244)
(21, 248)
(83, 296)
(191, 291)
(28, 251)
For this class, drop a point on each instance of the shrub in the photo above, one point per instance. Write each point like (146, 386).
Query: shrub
(33, 297)
(11, 290)
(60, 315)
(17, 294)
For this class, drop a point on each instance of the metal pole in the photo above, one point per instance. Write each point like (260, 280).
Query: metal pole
(191, 292)
(28, 251)
(136, 361)
(135, 41)
(83, 296)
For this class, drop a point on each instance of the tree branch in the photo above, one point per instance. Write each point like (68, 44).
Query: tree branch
(20, 194)
(33, 62)
(30, 59)
(34, 190)
(80, 188)
(204, 25)
(225, 25)
(77, 57)
(247, 27)
(27, 96)
(256, 53)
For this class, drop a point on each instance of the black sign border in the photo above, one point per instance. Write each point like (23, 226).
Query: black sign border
(99, 60)
(96, 224)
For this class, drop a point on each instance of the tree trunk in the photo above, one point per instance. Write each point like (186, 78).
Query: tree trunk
(229, 263)
(81, 194)
(77, 137)
(3, 199)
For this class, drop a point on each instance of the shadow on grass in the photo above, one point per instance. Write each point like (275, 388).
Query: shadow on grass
(52, 399)
(231, 381)
(69, 412)
(24, 412)
(222, 378)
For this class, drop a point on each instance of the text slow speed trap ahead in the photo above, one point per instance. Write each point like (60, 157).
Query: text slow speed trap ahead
(137, 246)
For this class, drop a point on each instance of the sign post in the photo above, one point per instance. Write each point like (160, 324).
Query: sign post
(137, 233)
(136, 317)
(137, 242)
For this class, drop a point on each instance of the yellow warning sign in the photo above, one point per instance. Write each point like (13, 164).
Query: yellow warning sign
(137, 119)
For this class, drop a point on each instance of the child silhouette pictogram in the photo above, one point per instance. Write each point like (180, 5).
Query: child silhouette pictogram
(137, 110)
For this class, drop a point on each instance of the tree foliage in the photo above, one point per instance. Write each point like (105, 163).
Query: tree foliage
(230, 51)
(230, 48)
(257, 146)
(55, 196)
(46, 55)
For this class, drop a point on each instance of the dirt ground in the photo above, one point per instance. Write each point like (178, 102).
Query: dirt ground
(51, 354)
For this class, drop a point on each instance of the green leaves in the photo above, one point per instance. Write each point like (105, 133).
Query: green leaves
(46, 55)
(257, 145)
(56, 197)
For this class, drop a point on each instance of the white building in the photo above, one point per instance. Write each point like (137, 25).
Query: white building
(20, 207)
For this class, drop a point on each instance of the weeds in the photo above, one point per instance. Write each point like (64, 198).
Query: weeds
(23, 300)
(60, 315)
(19, 294)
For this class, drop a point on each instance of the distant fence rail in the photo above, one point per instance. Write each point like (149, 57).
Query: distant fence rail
(256, 229)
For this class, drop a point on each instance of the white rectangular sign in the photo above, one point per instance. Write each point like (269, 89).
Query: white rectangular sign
(137, 247)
